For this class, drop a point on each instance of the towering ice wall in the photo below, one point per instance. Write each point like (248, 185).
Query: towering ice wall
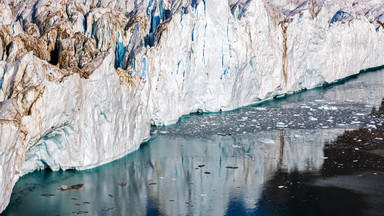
(81, 81)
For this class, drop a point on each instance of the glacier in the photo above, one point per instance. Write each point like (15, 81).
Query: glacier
(82, 81)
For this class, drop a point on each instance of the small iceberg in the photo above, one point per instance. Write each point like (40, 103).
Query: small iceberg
(267, 141)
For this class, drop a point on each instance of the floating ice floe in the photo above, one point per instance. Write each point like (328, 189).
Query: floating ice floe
(267, 141)
(361, 114)
(312, 118)
(327, 107)
(281, 125)
(261, 108)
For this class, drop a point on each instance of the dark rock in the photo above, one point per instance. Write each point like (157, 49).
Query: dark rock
(122, 184)
(72, 187)
(224, 134)
(79, 212)
(207, 172)
(231, 167)
(75, 187)
(47, 195)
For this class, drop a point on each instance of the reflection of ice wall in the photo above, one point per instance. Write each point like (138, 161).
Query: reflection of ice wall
(164, 178)
(117, 65)
(257, 156)
(360, 92)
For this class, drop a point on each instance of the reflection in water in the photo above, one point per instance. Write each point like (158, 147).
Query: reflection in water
(350, 182)
(276, 158)
(164, 177)
(281, 156)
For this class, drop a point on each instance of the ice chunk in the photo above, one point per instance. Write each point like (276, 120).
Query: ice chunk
(312, 118)
(261, 108)
(267, 141)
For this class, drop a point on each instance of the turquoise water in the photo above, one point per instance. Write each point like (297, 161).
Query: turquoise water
(277, 158)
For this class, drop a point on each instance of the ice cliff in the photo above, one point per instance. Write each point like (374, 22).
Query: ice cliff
(81, 81)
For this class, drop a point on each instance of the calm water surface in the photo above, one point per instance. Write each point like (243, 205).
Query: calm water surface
(319, 152)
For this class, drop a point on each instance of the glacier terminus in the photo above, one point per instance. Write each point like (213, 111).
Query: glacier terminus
(82, 81)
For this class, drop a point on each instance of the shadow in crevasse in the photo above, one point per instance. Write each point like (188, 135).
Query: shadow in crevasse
(350, 182)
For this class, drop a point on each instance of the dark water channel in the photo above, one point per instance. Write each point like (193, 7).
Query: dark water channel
(319, 152)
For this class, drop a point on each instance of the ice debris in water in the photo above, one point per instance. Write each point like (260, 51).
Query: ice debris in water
(261, 108)
(267, 141)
